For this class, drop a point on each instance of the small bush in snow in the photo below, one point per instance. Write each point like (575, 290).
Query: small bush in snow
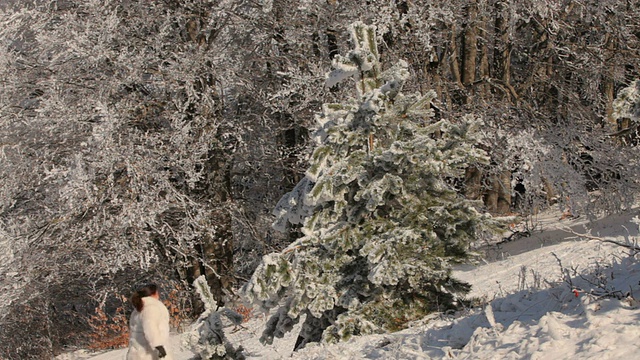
(206, 338)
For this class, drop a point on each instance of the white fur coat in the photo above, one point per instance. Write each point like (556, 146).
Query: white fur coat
(149, 328)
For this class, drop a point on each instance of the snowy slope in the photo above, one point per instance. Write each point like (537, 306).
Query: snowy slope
(551, 296)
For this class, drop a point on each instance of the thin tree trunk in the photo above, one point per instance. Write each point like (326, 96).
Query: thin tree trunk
(483, 70)
(218, 249)
(473, 183)
(453, 57)
(502, 48)
(609, 84)
(470, 45)
(498, 196)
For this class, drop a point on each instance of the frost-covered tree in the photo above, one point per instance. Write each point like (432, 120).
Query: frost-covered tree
(382, 221)
(120, 131)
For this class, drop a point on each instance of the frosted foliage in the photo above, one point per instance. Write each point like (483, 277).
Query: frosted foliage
(294, 206)
(12, 277)
(203, 290)
(362, 62)
(278, 273)
(528, 156)
(396, 255)
(304, 4)
(627, 103)
(347, 325)
(206, 336)
(341, 71)
(331, 115)
(267, 5)
(385, 222)
(109, 116)
(542, 8)
(374, 194)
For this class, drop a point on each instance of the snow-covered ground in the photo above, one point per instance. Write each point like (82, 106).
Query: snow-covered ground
(554, 295)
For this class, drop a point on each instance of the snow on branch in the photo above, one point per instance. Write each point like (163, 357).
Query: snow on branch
(630, 246)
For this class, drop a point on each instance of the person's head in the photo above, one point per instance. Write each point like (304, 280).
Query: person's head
(147, 290)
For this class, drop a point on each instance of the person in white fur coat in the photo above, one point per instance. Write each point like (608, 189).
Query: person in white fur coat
(148, 326)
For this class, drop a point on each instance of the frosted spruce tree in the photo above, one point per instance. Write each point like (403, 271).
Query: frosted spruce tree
(381, 222)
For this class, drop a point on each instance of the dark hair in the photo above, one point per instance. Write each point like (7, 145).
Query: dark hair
(147, 290)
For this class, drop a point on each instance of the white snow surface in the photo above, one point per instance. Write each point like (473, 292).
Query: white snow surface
(553, 295)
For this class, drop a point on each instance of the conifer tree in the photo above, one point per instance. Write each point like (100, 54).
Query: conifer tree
(381, 221)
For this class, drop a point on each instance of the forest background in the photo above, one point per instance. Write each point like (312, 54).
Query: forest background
(150, 140)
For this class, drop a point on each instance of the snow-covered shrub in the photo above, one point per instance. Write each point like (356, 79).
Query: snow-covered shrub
(206, 337)
(606, 277)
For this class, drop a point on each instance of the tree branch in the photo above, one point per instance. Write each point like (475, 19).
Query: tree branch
(591, 237)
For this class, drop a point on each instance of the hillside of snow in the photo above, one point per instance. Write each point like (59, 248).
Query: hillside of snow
(565, 292)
